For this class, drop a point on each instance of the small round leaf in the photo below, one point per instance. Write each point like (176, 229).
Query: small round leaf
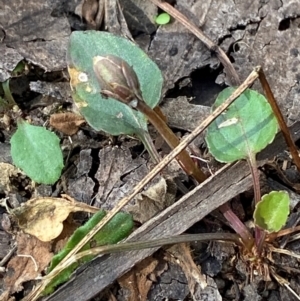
(246, 128)
(37, 152)
(272, 211)
(163, 19)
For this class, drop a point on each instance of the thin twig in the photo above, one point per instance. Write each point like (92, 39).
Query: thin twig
(232, 74)
(284, 128)
(284, 251)
(282, 281)
(8, 256)
(36, 268)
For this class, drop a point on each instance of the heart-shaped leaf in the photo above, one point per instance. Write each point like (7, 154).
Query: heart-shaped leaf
(246, 128)
(102, 113)
(37, 152)
(272, 211)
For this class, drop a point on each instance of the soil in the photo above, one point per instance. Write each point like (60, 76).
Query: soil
(101, 169)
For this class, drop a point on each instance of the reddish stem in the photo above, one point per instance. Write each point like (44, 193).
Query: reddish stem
(237, 226)
(260, 234)
(183, 158)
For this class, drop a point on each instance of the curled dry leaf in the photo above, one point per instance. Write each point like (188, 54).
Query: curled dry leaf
(67, 123)
(43, 217)
(153, 200)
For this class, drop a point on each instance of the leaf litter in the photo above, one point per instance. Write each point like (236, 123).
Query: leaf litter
(43, 217)
(284, 12)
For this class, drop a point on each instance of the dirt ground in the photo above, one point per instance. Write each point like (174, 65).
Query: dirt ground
(100, 169)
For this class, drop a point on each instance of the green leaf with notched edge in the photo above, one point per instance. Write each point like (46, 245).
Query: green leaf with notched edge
(102, 113)
(37, 152)
(118, 228)
(272, 211)
(245, 128)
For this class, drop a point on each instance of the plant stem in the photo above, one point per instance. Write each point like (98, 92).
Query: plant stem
(147, 244)
(284, 128)
(237, 226)
(255, 177)
(260, 234)
(7, 94)
(147, 141)
(183, 158)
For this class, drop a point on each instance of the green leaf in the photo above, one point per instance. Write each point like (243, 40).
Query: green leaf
(246, 128)
(118, 228)
(102, 113)
(163, 19)
(272, 211)
(75, 238)
(37, 152)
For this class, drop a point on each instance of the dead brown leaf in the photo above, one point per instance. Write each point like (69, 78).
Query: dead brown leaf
(137, 280)
(153, 200)
(199, 285)
(183, 253)
(7, 171)
(43, 217)
(93, 12)
(33, 256)
(5, 297)
(110, 296)
(67, 123)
